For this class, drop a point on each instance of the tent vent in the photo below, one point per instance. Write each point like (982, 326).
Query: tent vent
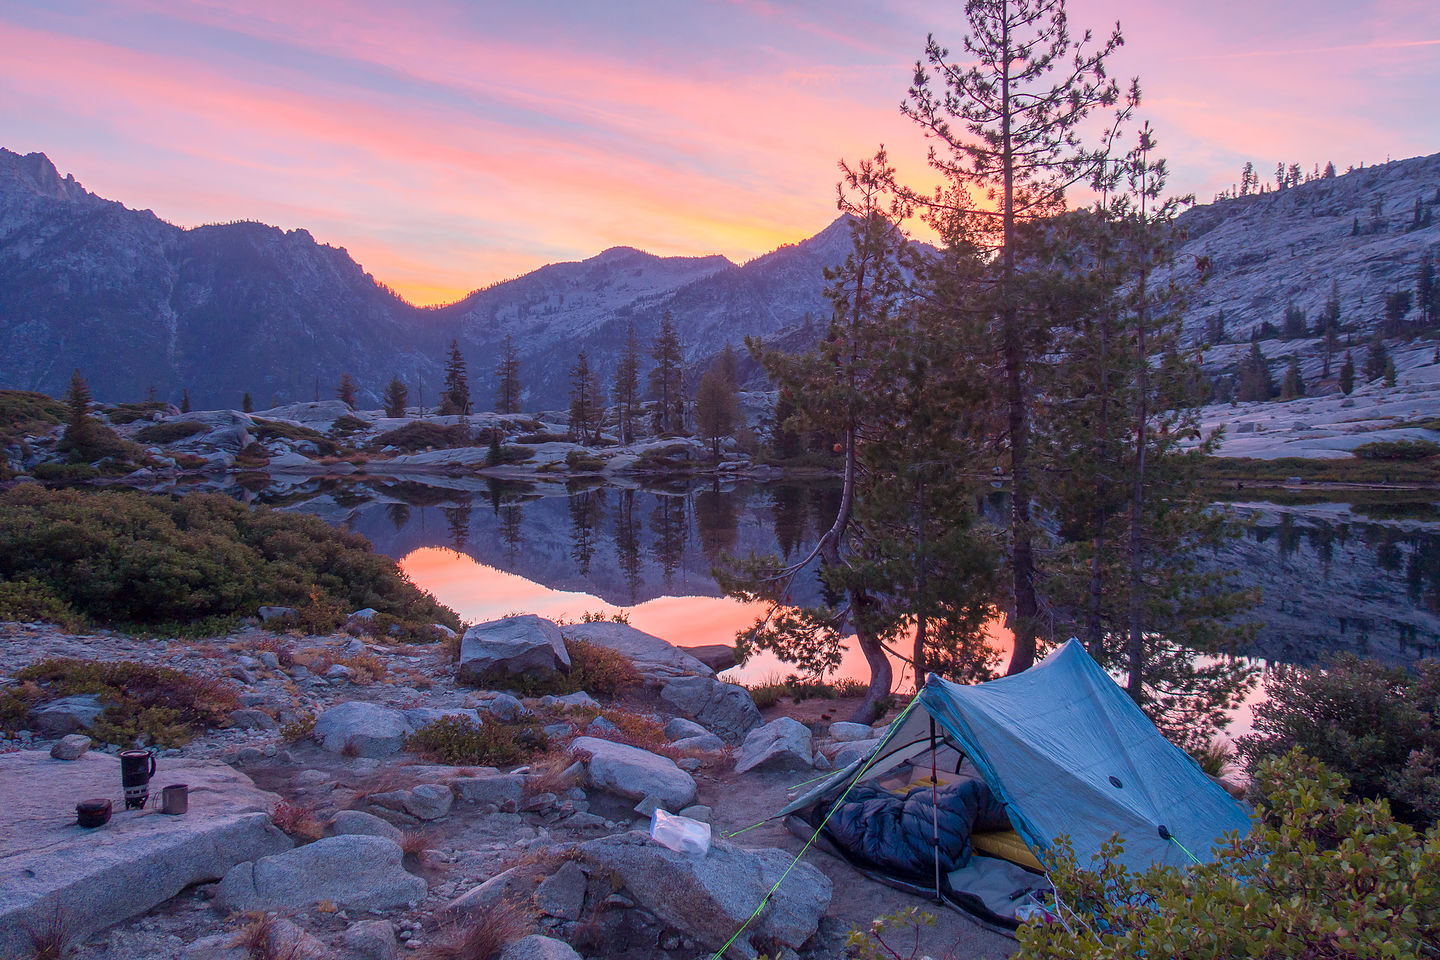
(1116, 781)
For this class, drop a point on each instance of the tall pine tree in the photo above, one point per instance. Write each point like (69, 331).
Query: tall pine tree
(667, 386)
(396, 396)
(1005, 119)
(507, 379)
(626, 392)
(455, 395)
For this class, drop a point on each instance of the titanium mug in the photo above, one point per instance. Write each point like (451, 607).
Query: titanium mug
(136, 769)
(174, 799)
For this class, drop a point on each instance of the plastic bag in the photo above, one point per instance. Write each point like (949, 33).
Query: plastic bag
(681, 834)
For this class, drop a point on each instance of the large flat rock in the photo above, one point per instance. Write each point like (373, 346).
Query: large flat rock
(136, 861)
(656, 659)
(511, 645)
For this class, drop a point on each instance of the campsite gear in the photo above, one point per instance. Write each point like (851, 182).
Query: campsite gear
(1061, 748)
(136, 769)
(175, 799)
(92, 813)
(915, 833)
(681, 834)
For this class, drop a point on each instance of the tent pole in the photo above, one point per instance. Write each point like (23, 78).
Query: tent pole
(935, 810)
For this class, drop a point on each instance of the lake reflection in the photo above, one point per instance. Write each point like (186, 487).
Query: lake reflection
(1330, 578)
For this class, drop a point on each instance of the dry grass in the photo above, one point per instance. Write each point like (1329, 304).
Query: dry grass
(547, 773)
(385, 780)
(262, 938)
(298, 820)
(50, 936)
(367, 667)
(415, 842)
(480, 937)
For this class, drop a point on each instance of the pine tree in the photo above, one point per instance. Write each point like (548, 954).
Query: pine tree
(1294, 322)
(185, 400)
(1347, 375)
(626, 392)
(396, 397)
(346, 391)
(666, 379)
(899, 553)
(1005, 129)
(1376, 359)
(717, 408)
(80, 427)
(1255, 380)
(1427, 293)
(246, 404)
(1329, 173)
(455, 396)
(1389, 372)
(1292, 386)
(584, 424)
(507, 379)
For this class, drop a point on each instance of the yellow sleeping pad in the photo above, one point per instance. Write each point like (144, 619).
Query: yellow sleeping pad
(1007, 845)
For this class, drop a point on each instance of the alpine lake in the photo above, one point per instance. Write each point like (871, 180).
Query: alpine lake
(1354, 571)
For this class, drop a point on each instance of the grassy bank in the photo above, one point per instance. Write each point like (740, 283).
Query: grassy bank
(1357, 470)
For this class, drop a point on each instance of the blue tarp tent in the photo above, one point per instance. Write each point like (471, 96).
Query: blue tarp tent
(1066, 751)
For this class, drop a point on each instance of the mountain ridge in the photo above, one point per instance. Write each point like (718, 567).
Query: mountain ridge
(219, 310)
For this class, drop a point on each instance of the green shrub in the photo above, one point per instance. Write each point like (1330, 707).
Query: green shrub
(459, 741)
(169, 432)
(194, 563)
(165, 706)
(418, 436)
(593, 669)
(280, 430)
(64, 472)
(1318, 877)
(100, 442)
(582, 461)
(130, 412)
(23, 413)
(1377, 726)
(507, 455)
(1405, 450)
(28, 600)
(541, 436)
(346, 425)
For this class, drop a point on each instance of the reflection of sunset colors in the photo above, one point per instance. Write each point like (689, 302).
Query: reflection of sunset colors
(449, 145)
(478, 593)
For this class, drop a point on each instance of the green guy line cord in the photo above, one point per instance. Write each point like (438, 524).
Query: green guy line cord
(1177, 843)
(894, 728)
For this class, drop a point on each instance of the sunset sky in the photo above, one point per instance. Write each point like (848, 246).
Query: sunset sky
(450, 144)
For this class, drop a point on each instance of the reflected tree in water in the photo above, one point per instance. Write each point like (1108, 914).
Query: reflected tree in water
(586, 508)
(627, 542)
(398, 514)
(715, 522)
(457, 522)
(787, 513)
(670, 531)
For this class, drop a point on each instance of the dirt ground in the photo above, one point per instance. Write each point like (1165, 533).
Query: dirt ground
(742, 801)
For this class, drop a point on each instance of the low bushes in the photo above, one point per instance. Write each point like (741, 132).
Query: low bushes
(194, 563)
(1376, 726)
(1319, 876)
(459, 741)
(800, 689)
(130, 412)
(418, 436)
(64, 472)
(142, 702)
(28, 599)
(1406, 450)
(171, 432)
(23, 413)
(585, 462)
(593, 669)
(280, 430)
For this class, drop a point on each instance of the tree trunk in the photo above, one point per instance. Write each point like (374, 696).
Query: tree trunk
(1136, 646)
(1022, 556)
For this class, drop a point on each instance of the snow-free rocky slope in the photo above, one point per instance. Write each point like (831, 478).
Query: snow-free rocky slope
(135, 302)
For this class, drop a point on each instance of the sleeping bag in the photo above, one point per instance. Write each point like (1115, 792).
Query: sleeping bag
(896, 833)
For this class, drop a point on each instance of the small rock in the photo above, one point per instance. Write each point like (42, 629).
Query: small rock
(851, 752)
(352, 872)
(270, 659)
(783, 742)
(71, 747)
(634, 773)
(252, 719)
(362, 729)
(724, 709)
(579, 699)
(540, 803)
(678, 728)
(697, 812)
(429, 801)
(504, 708)
(536, 947)
(600, 727)
(648, 806)
(338, 671)
(707, 743)
(845, 732)
(563, 892)
(509, 646)
(371, 940)
(249, 755)
(360, 823)
(496, 789)
(276, 613)
(65, 716)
